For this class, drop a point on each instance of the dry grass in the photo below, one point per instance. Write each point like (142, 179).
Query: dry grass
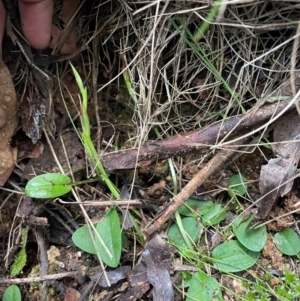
(250, 44)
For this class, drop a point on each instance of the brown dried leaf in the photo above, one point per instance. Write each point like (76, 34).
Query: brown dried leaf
(285, 89)
(66, 40)
(46, 163)
(70, 41)
(72, 294)
(276, 178)
(32, 114)
(113, 276)
(157, 258)
(68, 10)
(26, 149)
(8, 102)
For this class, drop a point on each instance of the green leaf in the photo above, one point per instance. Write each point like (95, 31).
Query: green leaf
(231, 256)
(192, 228)
(50, 185)
(109, 230)
(236, 185)
(204, 287)
(214, 215)
(12, 293)
(82, 239)
(194, 207)
(210, 212)
(288, 242)
(252, 239)
(186, 277)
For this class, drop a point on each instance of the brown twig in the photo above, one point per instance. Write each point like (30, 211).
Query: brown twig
(43, 260)
(37, 279)
(190, 142)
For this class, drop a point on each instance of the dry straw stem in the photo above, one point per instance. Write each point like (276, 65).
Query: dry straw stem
(171, 84)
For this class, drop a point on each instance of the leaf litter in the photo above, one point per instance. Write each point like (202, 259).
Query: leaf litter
(277, 177)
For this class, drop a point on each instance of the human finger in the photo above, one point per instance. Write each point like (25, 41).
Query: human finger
(36, 20)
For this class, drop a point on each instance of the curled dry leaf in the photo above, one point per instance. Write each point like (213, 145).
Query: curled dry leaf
(8, 105)
(32, 113)
(276, 178)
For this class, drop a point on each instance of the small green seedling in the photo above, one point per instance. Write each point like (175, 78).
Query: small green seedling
(236, 187)
(209, 212)
(87, 141)
(12, 293)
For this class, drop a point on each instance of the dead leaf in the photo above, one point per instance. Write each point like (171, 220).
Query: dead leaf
(8, 102)
(46, 163)
(72, 294)
(276, 178)
(32, 114)
(113, 276)
(68, 10)
(26, 149)
(154, 268)
(285, 89)
(157, 258)
(66, 40)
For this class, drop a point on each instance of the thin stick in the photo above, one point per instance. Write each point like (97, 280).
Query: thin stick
(37, 279)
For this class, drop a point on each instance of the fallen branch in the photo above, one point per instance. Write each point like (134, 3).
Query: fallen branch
(190, 142)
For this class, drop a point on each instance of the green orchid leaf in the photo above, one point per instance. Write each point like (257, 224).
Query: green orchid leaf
(109, 230)
(204, 287)
(288, 242)
(252, 239)
(210, 212)
(107, 241)
(192, 228)
(236, 185)
(12, 293)
(231, 256)
(83, 240)
(50, 185)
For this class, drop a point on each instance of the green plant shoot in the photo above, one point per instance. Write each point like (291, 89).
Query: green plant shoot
(87, 141)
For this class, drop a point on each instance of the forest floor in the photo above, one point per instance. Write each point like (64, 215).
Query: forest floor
(164, 164)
